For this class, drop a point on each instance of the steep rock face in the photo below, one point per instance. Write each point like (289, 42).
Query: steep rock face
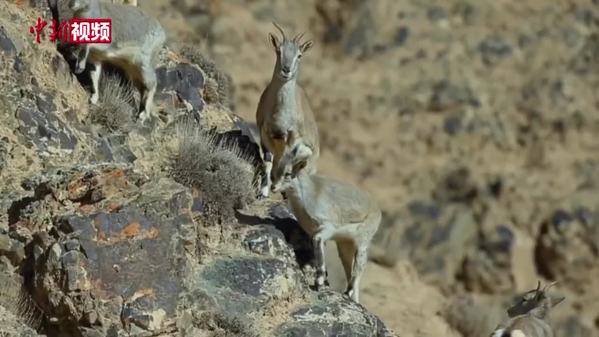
(484, 110)
(107, 244)
(92, 271)
(332, 315)
(114, 253)
(49, 104)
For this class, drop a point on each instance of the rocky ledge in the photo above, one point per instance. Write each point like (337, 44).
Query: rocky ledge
(99, 240)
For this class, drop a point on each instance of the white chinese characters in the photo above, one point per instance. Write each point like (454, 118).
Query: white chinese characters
(91, 31)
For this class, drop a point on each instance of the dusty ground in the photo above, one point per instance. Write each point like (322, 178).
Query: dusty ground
(406, 92)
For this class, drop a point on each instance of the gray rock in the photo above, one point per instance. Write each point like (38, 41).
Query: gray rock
(9, 206)
(218, 86)
(246, 276)
(456, 186)
(185, 82)
(437, 240)
(41, 5)
(95, 275)
(332, 314)
(200, 323)
(447, 95)
(424, 209)
(436, 237)
(243, 284)
(301, 243)
(267, 240)
(437, 13)
(11, 248)
(568, 244)
(493, 49)
(585, 16)
(488, 268)
(43, 128)
(587, 59)
(401, 36)
(121, 259)
(452, 125)
(467, 11)
(72, 245)
(114, 148)
(3, 153)
(357, 43)
(6, 44)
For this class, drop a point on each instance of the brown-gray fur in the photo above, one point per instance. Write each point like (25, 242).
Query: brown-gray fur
(136, 40)
(328, 209)
(284, 113)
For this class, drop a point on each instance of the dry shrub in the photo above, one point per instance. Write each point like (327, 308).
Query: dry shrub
(18, 302)
(222, 325)
(114, 110)
(219, 169)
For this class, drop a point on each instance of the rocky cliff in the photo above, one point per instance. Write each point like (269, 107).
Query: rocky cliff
(474, 124)
(111, 228)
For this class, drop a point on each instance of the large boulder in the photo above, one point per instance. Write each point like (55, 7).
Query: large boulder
(91, 258)
(436, 237)
(568, 243)
(332, 314)
(115, 253)
(488, 267)
(107, 244)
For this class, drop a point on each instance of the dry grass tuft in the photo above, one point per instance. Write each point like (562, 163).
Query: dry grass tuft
(221, 325)
(218, 168)
(18, 302)
(114, 110)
